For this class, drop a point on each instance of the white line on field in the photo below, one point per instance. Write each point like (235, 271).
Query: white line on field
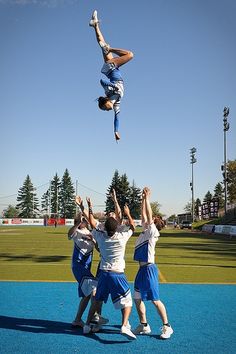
(128, 266)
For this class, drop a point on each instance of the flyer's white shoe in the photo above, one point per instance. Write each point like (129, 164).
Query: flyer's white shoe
(94, 20)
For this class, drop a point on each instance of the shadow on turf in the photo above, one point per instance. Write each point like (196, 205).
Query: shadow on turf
(203, 249)
(33, 258)
(53, 327)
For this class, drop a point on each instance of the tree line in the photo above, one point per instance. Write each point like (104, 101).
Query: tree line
(59, 198)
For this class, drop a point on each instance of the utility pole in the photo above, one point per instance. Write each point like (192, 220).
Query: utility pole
(57, 201)
(49, 204)
(34, 189)
(192, 161)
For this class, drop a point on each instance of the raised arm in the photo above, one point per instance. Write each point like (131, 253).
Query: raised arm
(116, 109)
(79, 202)
(148, 205)
(117, 206)
(91, 218)
(127, 213)
(143, 209)
(74, 228)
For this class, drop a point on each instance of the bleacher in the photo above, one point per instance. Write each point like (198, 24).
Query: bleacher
(227, 226)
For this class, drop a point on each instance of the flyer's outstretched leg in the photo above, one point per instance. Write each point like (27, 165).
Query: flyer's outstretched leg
(114, 89)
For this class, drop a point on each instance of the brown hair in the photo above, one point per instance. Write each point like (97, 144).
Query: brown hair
(111, 225)
(102, 101)
(159, 223)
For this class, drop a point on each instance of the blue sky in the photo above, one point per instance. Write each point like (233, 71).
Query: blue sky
(182, 76)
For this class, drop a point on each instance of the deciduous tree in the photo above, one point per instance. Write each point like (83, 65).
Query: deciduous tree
(231, 175)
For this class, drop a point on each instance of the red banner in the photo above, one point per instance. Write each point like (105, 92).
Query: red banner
(16, 221)
(55, 222)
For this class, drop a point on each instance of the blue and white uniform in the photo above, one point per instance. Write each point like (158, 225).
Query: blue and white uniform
(114, 89)
(146, 284)
(101, 226)
(82, 261)
(112, 279)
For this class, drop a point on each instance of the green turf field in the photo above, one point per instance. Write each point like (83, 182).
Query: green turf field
(44, 253)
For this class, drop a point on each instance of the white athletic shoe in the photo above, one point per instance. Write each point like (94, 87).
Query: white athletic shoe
(141, 329)
(128, 325)
(166, 332)
(125, 331)
(86, 329)
(105, 47)
(94, 19)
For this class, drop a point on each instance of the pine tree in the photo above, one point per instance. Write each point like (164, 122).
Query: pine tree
(135, 201)
(55, 190)
(197, 204)
(125, 193)
(208, 197)
(45, 203)
(219, 194)
(28, 201)
(67, 197)
(115, 184)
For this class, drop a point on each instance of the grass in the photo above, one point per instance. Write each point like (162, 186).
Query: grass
(44, 254)
(198, 224)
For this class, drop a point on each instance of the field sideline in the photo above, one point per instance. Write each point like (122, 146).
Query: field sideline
(44, 254)
(39, 295)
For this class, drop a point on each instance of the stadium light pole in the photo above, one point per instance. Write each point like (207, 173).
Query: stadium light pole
(192, 161)
(224, 167)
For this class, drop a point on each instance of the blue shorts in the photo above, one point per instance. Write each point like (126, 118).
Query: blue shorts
(146, 284)
(116, 285)
(87, 283)
(112, 71)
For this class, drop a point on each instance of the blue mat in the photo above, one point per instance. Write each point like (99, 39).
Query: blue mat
(35, 318)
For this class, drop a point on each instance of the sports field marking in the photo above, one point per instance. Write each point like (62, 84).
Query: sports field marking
(131, 282)
(130, 265)
(9, 230)
(37, 281)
